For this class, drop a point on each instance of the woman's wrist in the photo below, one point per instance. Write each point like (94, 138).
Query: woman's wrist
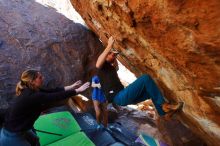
(68, 88)
(77, 91)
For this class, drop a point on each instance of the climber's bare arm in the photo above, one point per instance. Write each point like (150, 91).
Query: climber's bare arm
(102, 57)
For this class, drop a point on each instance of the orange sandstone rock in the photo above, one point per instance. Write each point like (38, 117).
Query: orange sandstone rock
(175, 41)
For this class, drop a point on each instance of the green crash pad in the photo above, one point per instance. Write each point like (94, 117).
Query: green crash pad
(79, 139)
(63, 124)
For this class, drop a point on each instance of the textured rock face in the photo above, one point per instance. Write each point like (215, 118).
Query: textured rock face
(35, 36)
(175, 41)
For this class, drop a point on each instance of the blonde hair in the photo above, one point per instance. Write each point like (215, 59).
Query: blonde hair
(25, 81)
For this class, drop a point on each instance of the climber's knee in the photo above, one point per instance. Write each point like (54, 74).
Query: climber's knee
(145, 77)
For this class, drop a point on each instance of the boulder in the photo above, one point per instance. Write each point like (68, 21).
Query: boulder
(37, 36)
(177, 42)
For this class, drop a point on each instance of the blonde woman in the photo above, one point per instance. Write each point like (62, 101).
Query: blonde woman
(30, 102)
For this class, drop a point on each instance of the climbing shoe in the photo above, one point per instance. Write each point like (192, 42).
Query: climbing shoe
(172, 107)
(173, 111)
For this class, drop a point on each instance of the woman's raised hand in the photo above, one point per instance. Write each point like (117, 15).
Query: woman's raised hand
(83, 87)
(73, 86)
(77, 83)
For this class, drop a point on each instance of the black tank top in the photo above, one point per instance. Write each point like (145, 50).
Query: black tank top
(109, 80)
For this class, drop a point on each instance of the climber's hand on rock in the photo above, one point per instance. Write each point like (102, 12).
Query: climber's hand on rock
(110, 41)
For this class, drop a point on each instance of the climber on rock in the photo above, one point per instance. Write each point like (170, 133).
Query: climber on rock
(141, 89)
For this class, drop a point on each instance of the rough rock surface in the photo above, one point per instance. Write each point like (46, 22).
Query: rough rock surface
(36, 36)
(175, 41)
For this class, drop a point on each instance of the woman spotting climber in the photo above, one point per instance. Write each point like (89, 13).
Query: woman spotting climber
(26, 108)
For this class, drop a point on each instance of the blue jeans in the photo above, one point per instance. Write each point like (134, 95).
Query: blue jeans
(141, 89)
(8, 138)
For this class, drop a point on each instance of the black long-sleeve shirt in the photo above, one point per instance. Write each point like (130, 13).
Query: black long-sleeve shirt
(27, 107)
(110, 81)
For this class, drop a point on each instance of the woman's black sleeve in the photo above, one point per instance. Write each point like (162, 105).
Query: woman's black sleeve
(52, 90)
(43, 97)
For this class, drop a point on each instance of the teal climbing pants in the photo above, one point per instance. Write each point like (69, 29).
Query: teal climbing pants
(141, 89)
